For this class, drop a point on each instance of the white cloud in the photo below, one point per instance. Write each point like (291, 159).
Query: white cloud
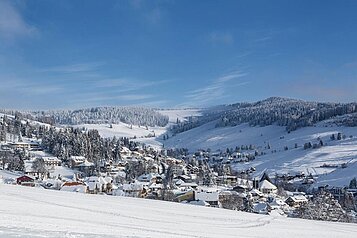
(123, 97)
(29, 88)
(12, 24)
(216, 90)
(231, 76)
(73, 68)
(126, 85)
(264, 39)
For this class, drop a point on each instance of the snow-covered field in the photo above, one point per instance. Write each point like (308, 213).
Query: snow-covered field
(34, 212)
(121, 130)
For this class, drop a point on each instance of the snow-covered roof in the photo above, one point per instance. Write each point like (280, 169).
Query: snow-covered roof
(298, 198)
(51, 159)
(155, 186)
(265, 184)
(132, 187)
(207, 196)
(124, 150)
(148, 177)
(188, 185)
(78, 159)
(86, 163)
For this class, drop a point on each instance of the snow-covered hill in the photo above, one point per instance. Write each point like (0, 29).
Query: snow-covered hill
(33, 212)
(149, 135)
(292, 160)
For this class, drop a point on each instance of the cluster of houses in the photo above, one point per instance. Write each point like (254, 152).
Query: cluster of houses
(163, 177)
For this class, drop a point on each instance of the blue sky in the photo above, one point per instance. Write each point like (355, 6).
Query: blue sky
(167, 53)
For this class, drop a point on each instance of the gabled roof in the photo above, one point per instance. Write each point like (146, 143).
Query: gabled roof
(25, 176)
(265, 184)
(265, 177)
(76, 183)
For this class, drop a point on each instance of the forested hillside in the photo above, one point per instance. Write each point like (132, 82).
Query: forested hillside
(291, 113)
(99, 115)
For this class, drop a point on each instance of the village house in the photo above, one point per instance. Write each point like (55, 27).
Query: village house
(209, 196)
(87, 168)
(276, 203)
(255, 194)
(184, 178)
(150, 178)
(267, 187)
(34, 146)
(20, 145)
(134, 190)
(186, 186)
(243, 185)
(227, 179)
(30, 171)
(76, 160)
(26, 180)
(75, 186)
(296, 200)
(99, 185)
(51, 162)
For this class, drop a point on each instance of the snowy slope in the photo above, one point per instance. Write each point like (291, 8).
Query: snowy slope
(126, 130)
(122, 130)
(32, 212)
(141, 133)
(292, 160)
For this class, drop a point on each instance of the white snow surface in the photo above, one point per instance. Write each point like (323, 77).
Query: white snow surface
(121, 130)
(33, 212)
